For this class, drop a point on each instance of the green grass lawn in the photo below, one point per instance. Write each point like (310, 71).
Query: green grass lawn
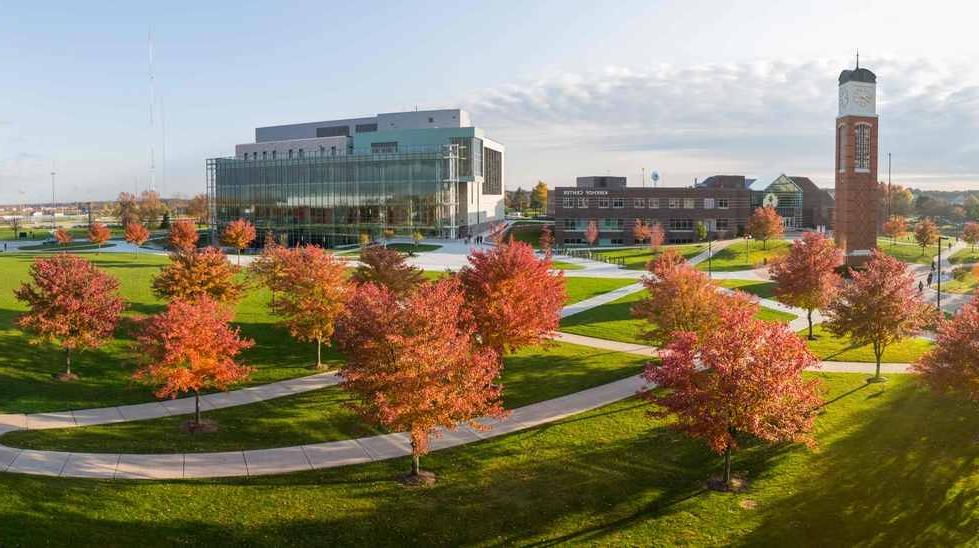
(894, 467)
(908, 252)
(967, 256)
(739, 256)
(765, 290)
(73, 246)
(614, 321)
(420, 248)
(563, 265)
(528, 233)
(963, 281)
(26, 371)
(580, 288)
(635, 258)
(529, 376)
(830, 347)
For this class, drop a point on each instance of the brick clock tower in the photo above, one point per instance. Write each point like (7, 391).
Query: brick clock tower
(855, 226)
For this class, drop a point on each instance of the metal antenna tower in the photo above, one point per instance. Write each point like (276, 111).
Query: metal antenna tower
(149, 39)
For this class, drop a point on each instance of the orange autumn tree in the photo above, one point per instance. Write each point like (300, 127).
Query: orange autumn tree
(546, 240)
(183, 235)
(71, 303)
(412, 365)
(926, 234)
(137, 235)
(591, 233)
(656, 236)
(98, 234)
(268, 266)
(970, 233)
(765, 224)
(63, 237)
(315, 290)
(879, 306)
(744, 379)
(195, 273)
(387, 267)
(896, 227)
(681, 298)
(952, 365)
(191, 347)
(806, 277)
(239, 234)
(640, 231)
(514, 297)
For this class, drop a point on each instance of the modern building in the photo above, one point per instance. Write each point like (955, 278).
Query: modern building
(329, 182)
(857, 194)
(723, 203)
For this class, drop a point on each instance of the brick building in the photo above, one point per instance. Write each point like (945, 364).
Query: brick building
(723, 203)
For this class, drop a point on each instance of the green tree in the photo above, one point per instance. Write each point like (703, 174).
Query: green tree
(538, 196)
(701, 231)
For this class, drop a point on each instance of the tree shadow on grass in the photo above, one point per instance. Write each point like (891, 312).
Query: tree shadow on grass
(905, 475)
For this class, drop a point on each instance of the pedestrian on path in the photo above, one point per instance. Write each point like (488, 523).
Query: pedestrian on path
(929, 279)
(921, 287)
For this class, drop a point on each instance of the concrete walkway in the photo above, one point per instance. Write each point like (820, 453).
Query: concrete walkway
(329, 454)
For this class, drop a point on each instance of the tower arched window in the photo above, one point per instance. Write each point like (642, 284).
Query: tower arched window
(862, 147)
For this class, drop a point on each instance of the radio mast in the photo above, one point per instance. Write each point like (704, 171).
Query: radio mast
(149, 39)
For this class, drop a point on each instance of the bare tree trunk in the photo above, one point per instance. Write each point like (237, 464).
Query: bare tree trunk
(319, 352)
(68, 361)
(877, 354)
(727, 466)
(809, 316)
(197, 407)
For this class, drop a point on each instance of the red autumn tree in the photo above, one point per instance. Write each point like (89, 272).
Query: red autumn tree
(591, 233)
(412, 364)
(806, 277)
(656, 237)
(880, 306)
(314, 290)
(387, 267)
(681, 298)
(191, 347)
(183, 235)
(62, 236)
(137, 235)
(239, 234)
(546, 240)
(197, 273)
(743, 379)
(896, 227)
(98, 234)
(71, 303)
(765, 224)
(970, 233)
(952, 365)
(926, 234)
(640, 231)
(514, 297)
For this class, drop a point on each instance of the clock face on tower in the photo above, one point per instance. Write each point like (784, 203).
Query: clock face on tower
(857, 99)
(844, 99)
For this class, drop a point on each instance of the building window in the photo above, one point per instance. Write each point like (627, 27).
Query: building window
(841, 147)
(722, 203)
(388, 147)
(566, 202)
(722, 224)
(708, 203)
(301, 154)
(638, 203)
(863, 147)
(618, 203)
(431, 120)
(263, 155)
(569, 224)
(603, 202)
(333, 151)
(613, 224)
(365, 128)
(322, 150)
(582, 203)
(674, 203)
(653, 203)
(273, 155)
(688, 203)
(681, 224)
(333, 131)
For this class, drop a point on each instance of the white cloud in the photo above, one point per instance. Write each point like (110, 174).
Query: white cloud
(751, 118)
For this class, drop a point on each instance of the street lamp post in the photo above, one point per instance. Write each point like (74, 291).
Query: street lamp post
(710, 254)
(939, 272)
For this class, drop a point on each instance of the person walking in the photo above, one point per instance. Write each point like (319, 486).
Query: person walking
(929, 278)
(921, 287)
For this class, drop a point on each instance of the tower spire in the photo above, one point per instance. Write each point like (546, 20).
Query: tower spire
(858, 58)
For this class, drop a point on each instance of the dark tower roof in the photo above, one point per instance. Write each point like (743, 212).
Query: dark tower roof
(858, 74)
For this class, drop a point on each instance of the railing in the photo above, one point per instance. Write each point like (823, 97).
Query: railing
(580, 253)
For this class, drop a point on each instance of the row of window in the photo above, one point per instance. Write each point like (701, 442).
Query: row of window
(640, 203)
(291, 153)
(713, 225)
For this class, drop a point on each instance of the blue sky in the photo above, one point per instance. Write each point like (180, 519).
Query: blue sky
(572, 88)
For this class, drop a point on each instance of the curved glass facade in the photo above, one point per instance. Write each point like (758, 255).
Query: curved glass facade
(331, 200)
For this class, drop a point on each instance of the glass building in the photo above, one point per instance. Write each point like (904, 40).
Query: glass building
(329, 182)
